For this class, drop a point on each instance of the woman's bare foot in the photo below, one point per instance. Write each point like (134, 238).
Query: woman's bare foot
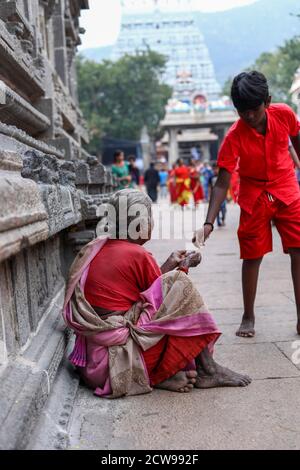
(182, 382)
(246, 330)
(221, 377)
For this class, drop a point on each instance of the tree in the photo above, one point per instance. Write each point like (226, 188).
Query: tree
(119, 98)
(279, 67)
(226, 90)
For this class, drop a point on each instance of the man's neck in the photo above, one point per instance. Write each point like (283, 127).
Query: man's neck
(262, 128)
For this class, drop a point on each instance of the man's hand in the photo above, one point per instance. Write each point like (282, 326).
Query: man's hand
(202, 235)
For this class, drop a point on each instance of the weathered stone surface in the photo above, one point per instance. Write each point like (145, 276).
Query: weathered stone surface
(52, 429)
(26, 383)
(21, 299)
(15, 110)
(49, 185)
(97, 171)
(83, 176)
(56, 181)
(22, 213)
(8, 312)
(41, 168)
(16, 140)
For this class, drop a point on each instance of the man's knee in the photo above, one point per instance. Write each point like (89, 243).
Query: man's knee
(294, 252)
(253, 261)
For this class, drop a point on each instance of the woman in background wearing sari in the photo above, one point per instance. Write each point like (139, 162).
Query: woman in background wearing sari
(121, 170)
(196, 186)
(183, 184)
(138, 325)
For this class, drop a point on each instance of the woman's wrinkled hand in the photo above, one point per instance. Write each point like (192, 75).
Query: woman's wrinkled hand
(192, 259)
(176, 258)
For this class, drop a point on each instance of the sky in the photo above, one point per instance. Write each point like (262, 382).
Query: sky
(102, 21)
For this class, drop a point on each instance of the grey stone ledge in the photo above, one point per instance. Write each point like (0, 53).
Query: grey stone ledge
(30, 77)
(27, 381)
(17, 110)
(21, 136)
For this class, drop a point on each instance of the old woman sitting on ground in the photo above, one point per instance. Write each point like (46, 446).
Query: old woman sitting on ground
(139, 326)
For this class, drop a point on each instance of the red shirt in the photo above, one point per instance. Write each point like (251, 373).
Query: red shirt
(265, 163)
(182, 172)
(118, 274)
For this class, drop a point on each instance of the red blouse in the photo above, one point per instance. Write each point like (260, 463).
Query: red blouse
(118, 274)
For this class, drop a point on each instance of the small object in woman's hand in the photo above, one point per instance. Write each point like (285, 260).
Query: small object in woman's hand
(192, 260)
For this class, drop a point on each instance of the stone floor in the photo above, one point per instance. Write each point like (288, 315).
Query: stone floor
(265, 415)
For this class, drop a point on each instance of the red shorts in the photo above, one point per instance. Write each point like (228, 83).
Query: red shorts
(255, 231)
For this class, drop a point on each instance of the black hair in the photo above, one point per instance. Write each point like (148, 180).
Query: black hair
(117, 154)
(132, 157)
(249, 90)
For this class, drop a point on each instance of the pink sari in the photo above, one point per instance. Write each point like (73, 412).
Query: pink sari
(108, 352)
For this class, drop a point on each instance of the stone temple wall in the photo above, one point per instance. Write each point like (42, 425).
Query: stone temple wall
(50, 191)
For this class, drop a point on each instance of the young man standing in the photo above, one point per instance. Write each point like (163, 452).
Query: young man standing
(269, 191)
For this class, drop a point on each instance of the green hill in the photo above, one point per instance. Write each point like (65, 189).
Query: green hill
(235, 38)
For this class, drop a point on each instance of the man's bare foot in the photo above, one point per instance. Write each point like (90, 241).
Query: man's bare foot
(182, 382)
(246, 330)
(221, 377)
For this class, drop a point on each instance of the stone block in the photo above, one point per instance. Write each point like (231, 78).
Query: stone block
(26, 383)
(17, 111)
(53, 264)
(97, 171)
(23, 219)
(61, 63)
(8, 313)
(82, 174)
(21, 300)
(37, 283)
(62, 206)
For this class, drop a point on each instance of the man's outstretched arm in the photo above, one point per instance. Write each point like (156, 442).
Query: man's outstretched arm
(295, 150)
(218, 196)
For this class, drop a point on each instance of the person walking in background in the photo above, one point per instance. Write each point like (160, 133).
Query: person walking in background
(152, 181)
(172, 184)
(134, 171)
(163, 176)
(207, 173)
(196, 186)
(183, 183)
(120, 170)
